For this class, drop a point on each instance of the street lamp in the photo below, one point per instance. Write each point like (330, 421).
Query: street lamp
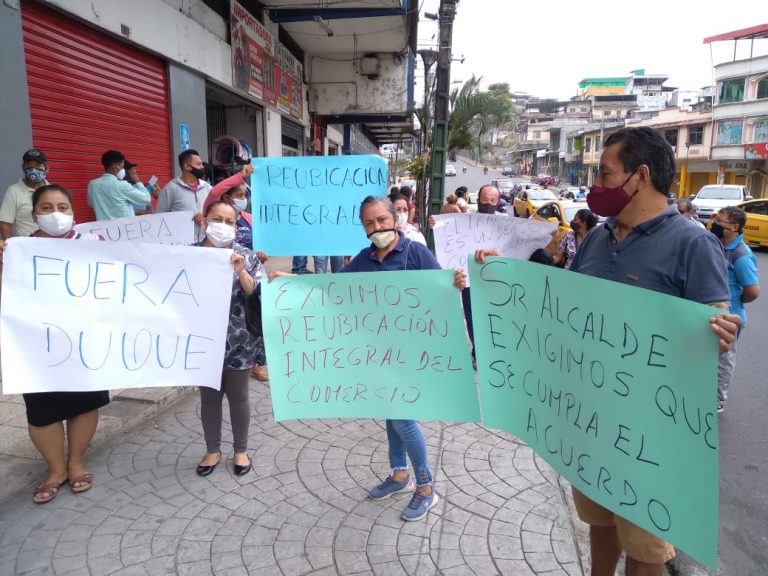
(429, 57)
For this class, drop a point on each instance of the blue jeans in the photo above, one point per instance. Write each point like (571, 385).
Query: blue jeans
(299, 264)
(405, 437)
(337, 263)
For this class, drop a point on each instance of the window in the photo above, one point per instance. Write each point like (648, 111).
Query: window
(762, 88)
(536, 134)
(671, 137)
(695, 135)
(757, 208)
(729, 132)
(598, 143)
(730, 91)
(761, 131)
(588, 145)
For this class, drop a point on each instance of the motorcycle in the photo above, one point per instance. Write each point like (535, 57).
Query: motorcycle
(464, 169)
(485, 170)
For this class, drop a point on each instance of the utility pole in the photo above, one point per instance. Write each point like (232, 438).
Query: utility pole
(446, 15)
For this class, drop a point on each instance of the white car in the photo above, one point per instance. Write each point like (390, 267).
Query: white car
(712, 197)
(450, 170)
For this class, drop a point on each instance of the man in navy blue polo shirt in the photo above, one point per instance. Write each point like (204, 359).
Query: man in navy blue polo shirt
(743, 285)
(645, 242)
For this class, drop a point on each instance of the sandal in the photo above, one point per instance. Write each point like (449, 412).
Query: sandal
(47, 492)
(260, 373)
(85, 481)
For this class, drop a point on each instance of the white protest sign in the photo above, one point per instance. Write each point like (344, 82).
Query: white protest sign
(162, 228)
(88, 315)
(457, 235)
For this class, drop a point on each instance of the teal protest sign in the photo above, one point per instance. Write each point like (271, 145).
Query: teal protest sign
(309, 205)
(598, 378)
(368, 345)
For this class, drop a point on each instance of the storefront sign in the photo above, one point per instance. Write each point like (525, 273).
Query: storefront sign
(263, 67)
(755, 150)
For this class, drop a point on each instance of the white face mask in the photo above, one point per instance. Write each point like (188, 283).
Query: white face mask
(220, 234)
(240, 204)
(55, 223)
(121, 174)
(383, 238)
(402, 219)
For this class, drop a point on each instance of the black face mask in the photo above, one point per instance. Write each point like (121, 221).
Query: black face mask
(718, 230)
(197, 172)
(575, 226)
(486, 208)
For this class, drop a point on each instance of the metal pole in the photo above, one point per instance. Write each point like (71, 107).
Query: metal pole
(447, 13)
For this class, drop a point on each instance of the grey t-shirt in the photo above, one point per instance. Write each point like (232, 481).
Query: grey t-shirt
(665, 254)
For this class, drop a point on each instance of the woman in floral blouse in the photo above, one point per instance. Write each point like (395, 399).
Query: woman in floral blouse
(220, 228)
(582, 223)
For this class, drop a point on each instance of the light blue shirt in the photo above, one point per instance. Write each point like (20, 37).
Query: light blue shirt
(742, 272)
(111, 198)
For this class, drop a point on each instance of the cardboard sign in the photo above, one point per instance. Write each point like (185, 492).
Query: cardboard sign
(81, 315)
(365, 345)
(172, 228)
(597, 377)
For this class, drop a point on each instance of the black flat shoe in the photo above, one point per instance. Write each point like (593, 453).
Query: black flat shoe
(242, 470)
(206, 470)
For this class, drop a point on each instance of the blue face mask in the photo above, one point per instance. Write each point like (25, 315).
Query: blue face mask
(34, 175)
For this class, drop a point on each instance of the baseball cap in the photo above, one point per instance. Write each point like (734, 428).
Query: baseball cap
(34, 155)
(128, 165)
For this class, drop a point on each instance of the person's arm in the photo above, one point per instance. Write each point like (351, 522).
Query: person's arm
(746, 275)
(247, 282)
(562, 250)
(7, 214)
(164, 199)
(135, 193)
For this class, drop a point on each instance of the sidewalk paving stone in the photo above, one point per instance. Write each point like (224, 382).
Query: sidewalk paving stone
(302, 511)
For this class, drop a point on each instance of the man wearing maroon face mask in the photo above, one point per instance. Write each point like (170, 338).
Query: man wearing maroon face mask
(647, 243)
(637, 167)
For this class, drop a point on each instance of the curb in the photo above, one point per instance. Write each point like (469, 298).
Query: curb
(21, 466)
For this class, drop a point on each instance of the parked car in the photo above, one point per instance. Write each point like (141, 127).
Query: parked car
(506, 188)
(450, 170)
(410, 183)
(715, 196)
(530, 200)
(546, 180)
(507, 171)
(561, 212)
(472, 202)
(756, 228)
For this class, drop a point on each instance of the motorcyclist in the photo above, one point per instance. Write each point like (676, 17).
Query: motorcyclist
(485, 169)
(464, 169)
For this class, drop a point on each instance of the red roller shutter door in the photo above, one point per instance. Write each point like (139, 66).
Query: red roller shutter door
(88, 93)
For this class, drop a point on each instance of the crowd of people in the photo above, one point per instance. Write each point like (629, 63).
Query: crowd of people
(641, 230)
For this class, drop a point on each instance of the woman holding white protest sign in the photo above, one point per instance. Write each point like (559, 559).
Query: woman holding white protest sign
(232, 190)
(47, 411)
(219, 223)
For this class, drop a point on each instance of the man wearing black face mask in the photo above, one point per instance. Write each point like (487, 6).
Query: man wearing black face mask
(188, 191)
(488, 199)
(16, 210)
(743, 285)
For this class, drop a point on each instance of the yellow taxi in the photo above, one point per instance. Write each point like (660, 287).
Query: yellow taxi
(560, 212)
(756, 228)
(530, 200)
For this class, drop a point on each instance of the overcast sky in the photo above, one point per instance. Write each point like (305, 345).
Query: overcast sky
(545, 48)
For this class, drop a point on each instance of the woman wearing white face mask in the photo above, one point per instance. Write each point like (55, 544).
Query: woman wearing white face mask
(403, 210)
(232, 191)
(47, 411)
(219, 225)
